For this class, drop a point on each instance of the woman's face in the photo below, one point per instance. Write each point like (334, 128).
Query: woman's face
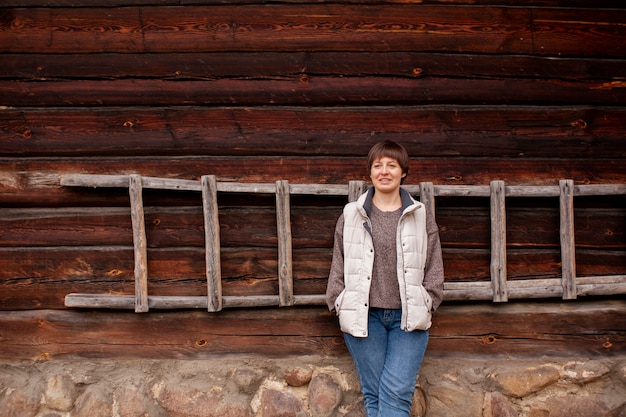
(386, 174)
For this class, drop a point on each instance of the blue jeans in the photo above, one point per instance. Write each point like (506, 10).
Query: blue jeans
(387, 362)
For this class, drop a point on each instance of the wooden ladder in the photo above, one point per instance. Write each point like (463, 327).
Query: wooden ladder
(568, 287)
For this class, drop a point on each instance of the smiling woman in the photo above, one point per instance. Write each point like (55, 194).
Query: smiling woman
(388, 166)
(386, 280)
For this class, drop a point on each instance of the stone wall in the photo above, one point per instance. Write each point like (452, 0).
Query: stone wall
(308, 387)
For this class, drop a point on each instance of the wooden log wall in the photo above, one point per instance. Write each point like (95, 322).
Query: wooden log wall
(528, 93)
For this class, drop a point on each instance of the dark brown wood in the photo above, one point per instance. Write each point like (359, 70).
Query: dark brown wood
(298, 66)
(315, 27)
(35, 182)
(426, 131)
(532, 329)
(316, 90)
(312, 227)
(498, 290)
(253, 92)
(617, 4)
(40, 278)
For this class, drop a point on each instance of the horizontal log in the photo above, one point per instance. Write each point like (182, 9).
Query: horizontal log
(426, 131)
(161, 302)
(552, 329)
(596, 225)
(614, 4)
(121, 181)
(315, 27)
(296, 65)
(528, 289)
(35, 182)
(41, 277)
(313, 90)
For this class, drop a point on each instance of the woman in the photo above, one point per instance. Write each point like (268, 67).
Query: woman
(385, 282)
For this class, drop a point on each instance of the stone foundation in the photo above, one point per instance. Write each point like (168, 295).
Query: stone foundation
(308, 387)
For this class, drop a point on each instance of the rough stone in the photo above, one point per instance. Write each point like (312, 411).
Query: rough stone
(497, 405)
(538, 413)
(571, 405)
(325, 395)
(519, 384)
(60, 393)
(448, 400)
(418, 406)
(130, 401)
(280, 404)
(20, 391)
(298, 376)
(18, 403)
(186, 401)
(247, 380)
(93, 403)
(355, 409)
(585, 372)
(620, 372)
(619, 412)
(309, 387)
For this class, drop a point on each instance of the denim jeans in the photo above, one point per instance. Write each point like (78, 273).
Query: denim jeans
(387, 362)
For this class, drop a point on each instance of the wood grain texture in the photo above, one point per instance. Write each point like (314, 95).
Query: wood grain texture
(599, 4)
(532, 329)
(297, 90)
(519, 132)
(314, 90)
(331, 27)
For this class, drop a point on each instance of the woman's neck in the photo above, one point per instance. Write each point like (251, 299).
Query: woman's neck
(387, 201)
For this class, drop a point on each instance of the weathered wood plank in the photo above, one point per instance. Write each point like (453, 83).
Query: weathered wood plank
(427, 196)
(212, 247)
(285, 257)
(596, 226)
(536, 288)
(318, 27)
(41, 277)
(455, 291)
(118, 181)
(293, 65)
(497, 189)
(173, 302)
(615, 4)
(498, 265)
(314, 90)
(520, 329)
(567, 237)
(426, 131)
(34, 182)
(140, 243)
(181, 335)
(488, 328)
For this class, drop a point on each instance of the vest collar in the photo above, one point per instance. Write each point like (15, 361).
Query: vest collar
(366, 200)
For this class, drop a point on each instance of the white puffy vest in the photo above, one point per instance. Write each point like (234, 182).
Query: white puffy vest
(352, 305)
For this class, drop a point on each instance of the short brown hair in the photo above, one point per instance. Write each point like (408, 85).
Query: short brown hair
(388, 149)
